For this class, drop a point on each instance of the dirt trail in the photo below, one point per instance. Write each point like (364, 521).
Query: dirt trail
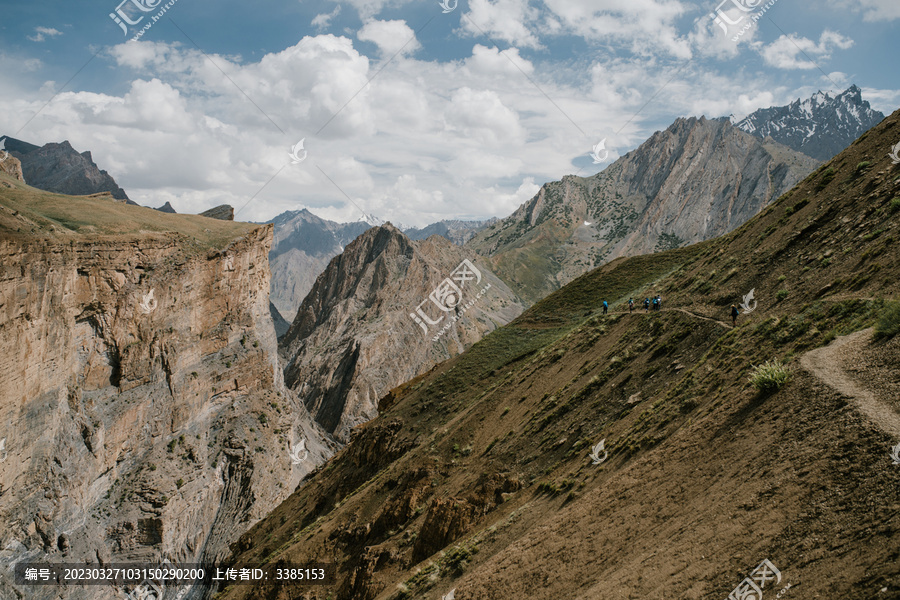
(827, 362)
(687, 312)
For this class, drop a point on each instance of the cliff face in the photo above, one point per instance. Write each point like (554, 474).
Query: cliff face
(61, 169)
(354, 339)
(142, 409)
(697, 180)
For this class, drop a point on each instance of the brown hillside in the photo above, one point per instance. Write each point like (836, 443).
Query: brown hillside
(476, 477)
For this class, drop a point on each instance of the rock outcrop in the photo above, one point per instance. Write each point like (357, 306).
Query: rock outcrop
(142, 408)
(61, 169)
(11, 166)
(694, 181)
(366, 326)
(167, 208)
(223, 212)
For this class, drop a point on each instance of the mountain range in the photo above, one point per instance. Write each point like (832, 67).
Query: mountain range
(820, 126)
(669, 454)
(696, 180)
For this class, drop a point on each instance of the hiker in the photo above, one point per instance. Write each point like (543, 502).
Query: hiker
(647, 304)
(656, 304)
(631, 305)
(734, 315)
(605, 307)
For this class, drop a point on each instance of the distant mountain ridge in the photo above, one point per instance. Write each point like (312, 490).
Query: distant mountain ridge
(457, 231)
(698, 179)
(59, 168)
(820, 126)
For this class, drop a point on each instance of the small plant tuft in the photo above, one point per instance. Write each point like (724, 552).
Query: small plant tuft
(770, 376)
(888, 324)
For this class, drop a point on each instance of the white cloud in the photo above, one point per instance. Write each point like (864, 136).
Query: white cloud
(323, 21)
(797, 52)
(42, 32)
(873, 10)
(507, 20)
(391, 37)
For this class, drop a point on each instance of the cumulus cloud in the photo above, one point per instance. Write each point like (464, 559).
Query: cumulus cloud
(42, 32)
(391, 37)
(797, 52)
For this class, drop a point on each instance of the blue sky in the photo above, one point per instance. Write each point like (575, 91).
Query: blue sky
(462, 114)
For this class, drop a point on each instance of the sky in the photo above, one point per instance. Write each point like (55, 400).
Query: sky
(411, 111)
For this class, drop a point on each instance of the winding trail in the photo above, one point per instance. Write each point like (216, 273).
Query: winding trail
(826, 363)
(687, 312)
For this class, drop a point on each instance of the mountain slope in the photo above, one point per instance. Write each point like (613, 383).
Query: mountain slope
(820, 126)
(61, 169)
(363, 329)
(303, 246)
(476, 476)
(698, 179)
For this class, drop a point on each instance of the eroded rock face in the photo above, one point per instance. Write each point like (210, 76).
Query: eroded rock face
(11, 166)
(353, 339)
(143, 413)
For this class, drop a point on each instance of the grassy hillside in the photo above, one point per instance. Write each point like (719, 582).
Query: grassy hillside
(24, 209)
(476, 476)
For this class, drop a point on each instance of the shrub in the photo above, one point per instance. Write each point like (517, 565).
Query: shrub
(770, 376)
(781, 295)
(888, 324)
(179, 483)
(894, 206)
(827, 177)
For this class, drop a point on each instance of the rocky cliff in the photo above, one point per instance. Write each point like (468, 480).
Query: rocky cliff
(694, 181)
(142, 408)
(303, 246)
(820, 126)
(60, 168)
(372, 321)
